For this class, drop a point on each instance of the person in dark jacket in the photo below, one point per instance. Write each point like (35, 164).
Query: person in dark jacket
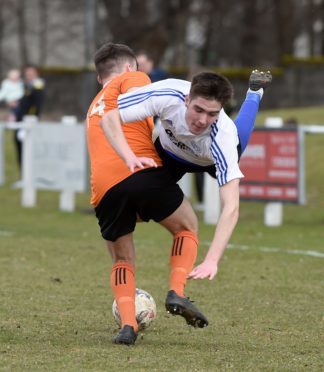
(30, 103)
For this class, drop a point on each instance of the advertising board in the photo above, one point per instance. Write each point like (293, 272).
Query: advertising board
(270, 165)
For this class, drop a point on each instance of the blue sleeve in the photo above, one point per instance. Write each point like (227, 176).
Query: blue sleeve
(246, 117)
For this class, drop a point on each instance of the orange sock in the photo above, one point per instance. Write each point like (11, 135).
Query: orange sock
(182, 258)
(122, 281)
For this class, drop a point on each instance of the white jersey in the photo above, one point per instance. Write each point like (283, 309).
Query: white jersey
(217, 145)
(11, 91)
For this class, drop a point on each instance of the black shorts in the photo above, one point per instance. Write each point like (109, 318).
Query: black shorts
(178, 169)
(150, 194)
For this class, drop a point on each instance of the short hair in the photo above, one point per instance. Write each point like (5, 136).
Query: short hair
(110, 58)
(210, 85)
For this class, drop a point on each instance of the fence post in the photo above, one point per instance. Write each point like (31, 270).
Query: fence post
(273, 211)
(212, 205)
(67, 197)
(28, 193)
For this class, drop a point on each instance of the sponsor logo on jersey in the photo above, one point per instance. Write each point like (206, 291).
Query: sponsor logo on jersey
(179, 144)
(195, 146)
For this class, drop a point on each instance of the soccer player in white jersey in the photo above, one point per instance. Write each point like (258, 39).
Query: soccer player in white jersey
(196, 136)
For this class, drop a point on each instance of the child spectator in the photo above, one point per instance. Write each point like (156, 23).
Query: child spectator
(12, 89)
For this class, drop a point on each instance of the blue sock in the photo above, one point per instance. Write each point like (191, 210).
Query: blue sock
(245, 119)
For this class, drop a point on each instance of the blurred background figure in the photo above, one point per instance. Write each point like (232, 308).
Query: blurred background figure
(30, 103)
(146, 64)
(32, 99)
(11, 91)
(291, 122)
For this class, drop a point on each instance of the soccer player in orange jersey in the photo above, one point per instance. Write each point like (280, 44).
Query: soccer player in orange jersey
(125, 189)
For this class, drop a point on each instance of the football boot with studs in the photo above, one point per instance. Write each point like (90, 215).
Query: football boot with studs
(177, 305)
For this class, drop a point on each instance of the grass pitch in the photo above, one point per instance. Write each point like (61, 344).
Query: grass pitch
(265, 305)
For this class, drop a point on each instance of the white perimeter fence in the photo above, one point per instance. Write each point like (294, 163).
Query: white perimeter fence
(55, 158)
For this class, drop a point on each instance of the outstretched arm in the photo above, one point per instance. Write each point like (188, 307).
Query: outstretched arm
(229, 195)
(111, 125)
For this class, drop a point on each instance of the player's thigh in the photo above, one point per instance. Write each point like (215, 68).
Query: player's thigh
(183, 218)
(116, 213)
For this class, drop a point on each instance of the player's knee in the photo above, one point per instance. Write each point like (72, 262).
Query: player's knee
(190, 224)
(187, 218)
(187, 222)
(122, 250)
(184, 218)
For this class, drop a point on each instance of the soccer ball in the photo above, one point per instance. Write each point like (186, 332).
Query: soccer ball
(145, 309)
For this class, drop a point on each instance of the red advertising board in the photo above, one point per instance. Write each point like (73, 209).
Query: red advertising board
(270, 166)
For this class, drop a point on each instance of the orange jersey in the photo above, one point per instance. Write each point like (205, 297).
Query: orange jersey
(107, 168)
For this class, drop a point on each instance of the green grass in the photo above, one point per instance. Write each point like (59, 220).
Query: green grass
(265, 306)
(309, 115)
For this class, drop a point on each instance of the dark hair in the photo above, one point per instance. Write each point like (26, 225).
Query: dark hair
(110, 57)
(211, 86)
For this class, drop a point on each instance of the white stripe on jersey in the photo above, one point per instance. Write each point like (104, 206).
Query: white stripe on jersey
(216, 145)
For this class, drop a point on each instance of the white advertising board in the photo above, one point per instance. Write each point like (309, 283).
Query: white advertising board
(58, 157)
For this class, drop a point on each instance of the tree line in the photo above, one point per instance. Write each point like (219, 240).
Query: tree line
(176, 32)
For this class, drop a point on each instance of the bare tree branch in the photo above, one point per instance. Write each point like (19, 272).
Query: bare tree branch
(22, 32)
(42, 32)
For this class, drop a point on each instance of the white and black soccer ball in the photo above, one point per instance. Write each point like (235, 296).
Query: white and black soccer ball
(145, 309)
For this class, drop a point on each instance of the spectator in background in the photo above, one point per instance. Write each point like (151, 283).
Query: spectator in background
(30, 103)
(146, 64)
(12, 89)
(291, 122)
